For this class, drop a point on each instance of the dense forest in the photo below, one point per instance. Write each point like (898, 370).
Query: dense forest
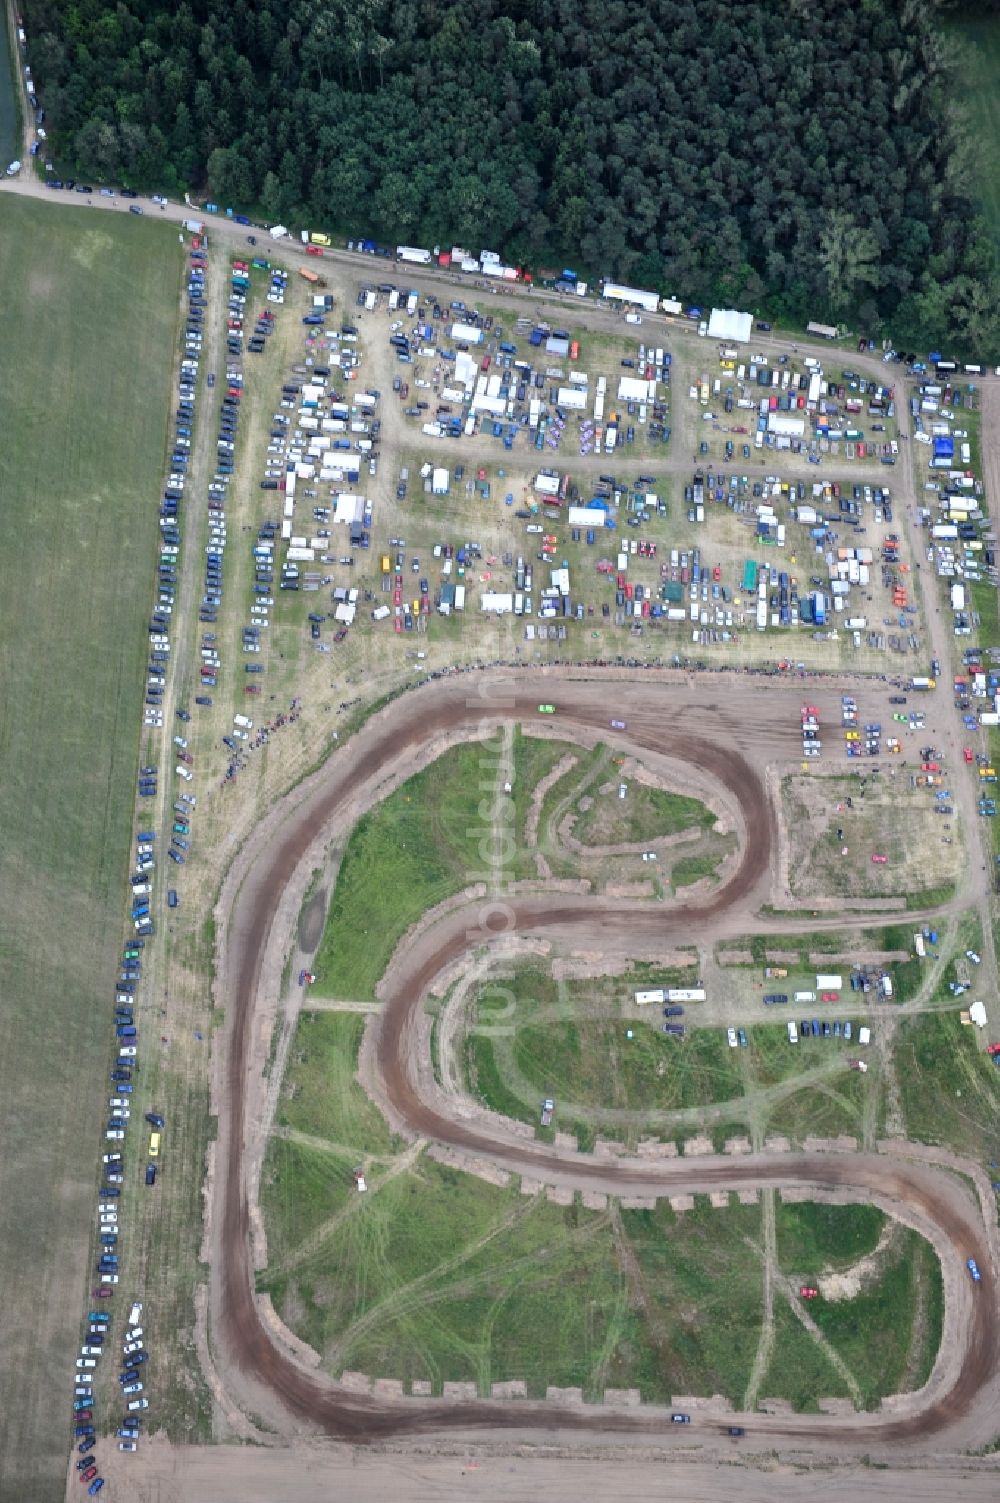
(804, 157)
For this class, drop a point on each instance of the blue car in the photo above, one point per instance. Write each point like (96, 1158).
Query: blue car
(973, 1268)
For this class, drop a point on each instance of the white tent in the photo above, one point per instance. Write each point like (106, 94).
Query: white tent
(465, 369)
(586, 516)
(639, 296)
(496, 600)
(729, 325)
(573, 397)
(547, 483)
(632, 389)
(350, 509)
(784, 424)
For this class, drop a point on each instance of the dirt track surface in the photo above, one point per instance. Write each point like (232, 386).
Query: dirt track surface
(715, 722)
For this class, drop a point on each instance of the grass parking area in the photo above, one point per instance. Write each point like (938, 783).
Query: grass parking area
(612, 1071)
(592, 1064)
(89, 339)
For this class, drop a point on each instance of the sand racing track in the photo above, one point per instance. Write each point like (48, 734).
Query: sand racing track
(730, 728)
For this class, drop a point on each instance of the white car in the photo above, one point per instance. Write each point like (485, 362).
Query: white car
(971, 955)
(132, 1346)
(86, 1362)
(649, 855)
(109, 1278)
(138, 1404)
(183, 772)
(114, 1134)
(127, 1445)
(127, 1051)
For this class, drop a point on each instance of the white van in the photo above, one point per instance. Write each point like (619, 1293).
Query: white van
(243, 721)
(793, 1033)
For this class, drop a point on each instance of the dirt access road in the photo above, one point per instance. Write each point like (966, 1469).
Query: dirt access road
(714, 722)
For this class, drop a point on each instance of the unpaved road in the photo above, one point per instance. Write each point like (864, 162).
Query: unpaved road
(716, 723)
(312, 1474)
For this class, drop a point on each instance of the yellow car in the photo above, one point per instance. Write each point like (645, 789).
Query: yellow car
(318, 239)
(852, 735)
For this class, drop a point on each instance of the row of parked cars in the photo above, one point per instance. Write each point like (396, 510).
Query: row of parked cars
(109, 1196)
(123, 1075)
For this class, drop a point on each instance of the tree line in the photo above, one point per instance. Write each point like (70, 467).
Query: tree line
(804, 159)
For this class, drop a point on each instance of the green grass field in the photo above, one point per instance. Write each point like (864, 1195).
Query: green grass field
(435, 1276)
(91, 317)
(425, 842)
(533, 760)
(889, 1330)
(950, 1090)
(644, 814)
(978, 40)
(814, 1237)
(439, 1277)
(800, 1369)
(319, 1094)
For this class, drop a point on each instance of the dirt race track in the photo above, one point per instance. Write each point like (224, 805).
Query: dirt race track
(716, 723)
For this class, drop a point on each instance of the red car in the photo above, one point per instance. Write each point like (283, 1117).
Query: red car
(879, 860)
(89, 1474)
(967, 753)
(103, 1291)
(314, 250)
(993, 1048)
(829, 996)
(931, 766)
(808, 1293)
(340, 635)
